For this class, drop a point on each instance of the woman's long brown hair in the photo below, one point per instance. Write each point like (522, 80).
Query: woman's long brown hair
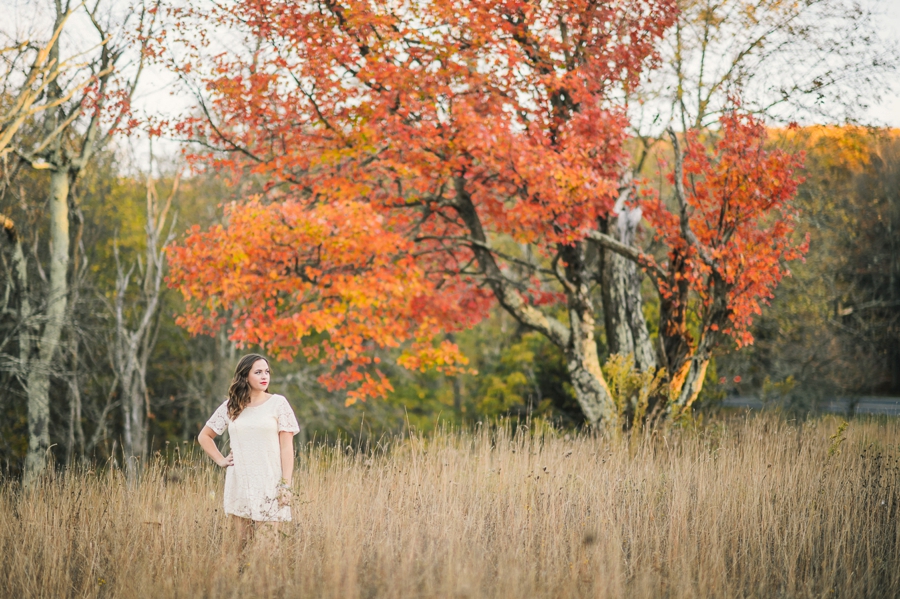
(239, 391)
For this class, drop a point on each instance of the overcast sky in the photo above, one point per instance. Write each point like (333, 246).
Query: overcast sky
(155, 93)
(888, 112)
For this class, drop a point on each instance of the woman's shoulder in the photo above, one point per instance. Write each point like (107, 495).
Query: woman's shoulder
(222, 411)
(219, 421)
(280, 403)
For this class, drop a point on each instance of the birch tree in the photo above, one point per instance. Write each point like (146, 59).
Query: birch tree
(137, 324)
(29, 68)
(88, 103)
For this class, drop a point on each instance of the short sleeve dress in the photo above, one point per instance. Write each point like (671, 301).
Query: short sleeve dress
(251, 483)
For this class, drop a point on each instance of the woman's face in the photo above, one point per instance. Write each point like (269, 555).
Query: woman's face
(258, 378)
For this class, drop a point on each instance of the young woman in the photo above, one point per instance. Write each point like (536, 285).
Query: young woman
(261, 427)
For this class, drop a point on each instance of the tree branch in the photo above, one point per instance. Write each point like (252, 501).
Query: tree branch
(508, 296)
(645, 261)
(681, 198)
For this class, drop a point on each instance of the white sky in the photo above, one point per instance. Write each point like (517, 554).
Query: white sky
(154, 95)
(888, 112)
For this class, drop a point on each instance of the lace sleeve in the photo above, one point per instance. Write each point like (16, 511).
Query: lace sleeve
(287, 422)
(219, 420)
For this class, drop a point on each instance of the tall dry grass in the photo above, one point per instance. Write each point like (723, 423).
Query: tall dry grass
(747, 508)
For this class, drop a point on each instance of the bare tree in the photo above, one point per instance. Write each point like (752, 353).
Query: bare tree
(786, 60)
(27, 70)
(88, 103)
(136, 324)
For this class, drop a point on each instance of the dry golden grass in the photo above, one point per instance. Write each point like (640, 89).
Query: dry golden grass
(746, 508)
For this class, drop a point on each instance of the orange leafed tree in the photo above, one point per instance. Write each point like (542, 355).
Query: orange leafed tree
(728, 239)
(422, 161)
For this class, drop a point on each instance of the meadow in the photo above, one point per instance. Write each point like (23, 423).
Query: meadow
(742, 507)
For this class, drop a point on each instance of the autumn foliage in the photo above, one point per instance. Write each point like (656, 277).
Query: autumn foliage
(728, 240)
(281, 273)
(743, 219)
(421, 162)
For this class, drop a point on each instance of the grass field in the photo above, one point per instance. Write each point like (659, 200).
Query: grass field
(747, 507)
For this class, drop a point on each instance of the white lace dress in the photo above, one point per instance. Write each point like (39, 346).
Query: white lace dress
(250, 485)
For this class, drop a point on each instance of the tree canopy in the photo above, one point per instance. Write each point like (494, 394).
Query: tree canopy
(420, 161)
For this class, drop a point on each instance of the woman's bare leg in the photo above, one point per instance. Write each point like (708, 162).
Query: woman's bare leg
(267, 532)
(244, 531)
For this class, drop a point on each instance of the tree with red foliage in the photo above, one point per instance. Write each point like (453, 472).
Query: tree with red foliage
(727, 242)
(426, 160)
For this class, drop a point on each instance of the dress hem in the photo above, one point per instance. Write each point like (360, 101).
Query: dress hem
(227, 513)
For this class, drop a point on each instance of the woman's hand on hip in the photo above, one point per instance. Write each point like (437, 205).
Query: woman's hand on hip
(227, 460)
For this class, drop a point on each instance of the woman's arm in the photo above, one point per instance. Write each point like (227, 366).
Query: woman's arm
(286, 441)
(206, 438)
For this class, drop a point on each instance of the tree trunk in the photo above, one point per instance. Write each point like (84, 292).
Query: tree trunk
(133, 346)
(456, 382)
(136, 401)
(577, 341)
(134, 438)
(126, 363)
(689, 374)
(75, 437)
(583, 364)
(582, 358)
(38, 385)
(20, 271)
(692, 382)
(132, 417)
(626, 327)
